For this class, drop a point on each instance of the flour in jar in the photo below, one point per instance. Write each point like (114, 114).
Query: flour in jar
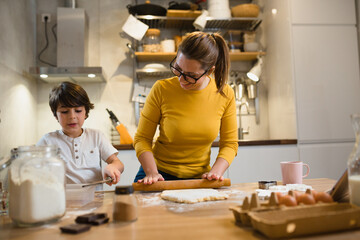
(37, 194)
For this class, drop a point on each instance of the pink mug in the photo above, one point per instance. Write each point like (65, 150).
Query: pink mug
(292, 172)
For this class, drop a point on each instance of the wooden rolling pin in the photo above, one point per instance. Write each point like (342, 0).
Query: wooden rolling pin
(181, 184)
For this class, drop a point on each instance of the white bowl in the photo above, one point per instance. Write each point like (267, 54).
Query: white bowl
(251, 47)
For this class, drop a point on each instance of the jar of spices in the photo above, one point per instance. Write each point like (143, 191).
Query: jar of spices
(125, 206)
(36, 185)
(152, 40)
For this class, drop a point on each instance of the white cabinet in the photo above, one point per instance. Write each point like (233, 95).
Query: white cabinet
(326, 74)
(326, 160)
(131, 163)
(257, 163)
(323, 11)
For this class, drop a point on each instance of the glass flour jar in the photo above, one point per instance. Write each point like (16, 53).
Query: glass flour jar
(36, 185)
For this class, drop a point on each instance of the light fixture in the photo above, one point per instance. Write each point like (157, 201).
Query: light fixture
(91, 75)
(44, 75)
(255, 72)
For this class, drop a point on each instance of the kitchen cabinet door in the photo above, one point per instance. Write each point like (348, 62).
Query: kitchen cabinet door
(323, 11)
(131, 163)
(327, 85)
(326, 160)
(256, 163)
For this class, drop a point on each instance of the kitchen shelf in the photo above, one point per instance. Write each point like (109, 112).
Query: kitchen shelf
(248, 24)
(167, 57)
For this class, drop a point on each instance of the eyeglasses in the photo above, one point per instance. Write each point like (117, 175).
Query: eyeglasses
(188, 78)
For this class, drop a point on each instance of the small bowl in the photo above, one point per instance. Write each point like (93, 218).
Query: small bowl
(251, 47)
(245, 10)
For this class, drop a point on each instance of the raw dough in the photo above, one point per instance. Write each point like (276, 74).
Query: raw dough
(193, 195)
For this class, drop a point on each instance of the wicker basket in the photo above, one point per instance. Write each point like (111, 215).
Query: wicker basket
(245, 10)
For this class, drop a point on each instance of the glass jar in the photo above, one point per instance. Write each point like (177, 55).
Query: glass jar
(354, 164)
(36, 185)
(152, 40)
(125, 206)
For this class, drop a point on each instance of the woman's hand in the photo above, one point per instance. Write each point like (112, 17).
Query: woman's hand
(151, 178)
(217, 170)
(212, 176)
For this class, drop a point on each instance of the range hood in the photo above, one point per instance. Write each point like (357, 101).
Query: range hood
(71, 74)
(72, 48)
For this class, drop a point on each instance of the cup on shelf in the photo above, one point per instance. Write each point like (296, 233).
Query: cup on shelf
(251, 47)
(168, 45)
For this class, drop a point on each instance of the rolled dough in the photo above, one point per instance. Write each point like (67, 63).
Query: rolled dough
(193, 195)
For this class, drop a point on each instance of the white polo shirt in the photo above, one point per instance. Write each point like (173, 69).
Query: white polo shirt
(82, 155)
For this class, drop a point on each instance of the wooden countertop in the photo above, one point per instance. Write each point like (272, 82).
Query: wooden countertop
(240, 142)
(159, 219)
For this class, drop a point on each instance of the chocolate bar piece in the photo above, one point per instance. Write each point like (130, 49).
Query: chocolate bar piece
(100, 221)
(75, 228)
(90, 217)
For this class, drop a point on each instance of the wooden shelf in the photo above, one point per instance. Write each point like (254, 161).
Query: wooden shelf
(246, 24)
(167, 57)
(155, 57)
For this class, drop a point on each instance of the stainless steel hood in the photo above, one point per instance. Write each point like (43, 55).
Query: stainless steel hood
(72, 50)
(72, 74)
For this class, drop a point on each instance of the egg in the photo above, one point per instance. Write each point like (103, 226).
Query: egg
(288, 201)
(323, 197)
(307, 199)
(279, 195)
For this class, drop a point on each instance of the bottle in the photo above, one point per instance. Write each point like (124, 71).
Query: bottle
(125, 137)
(36, 185)
(152, 40)
(354, 164)
(125, 206)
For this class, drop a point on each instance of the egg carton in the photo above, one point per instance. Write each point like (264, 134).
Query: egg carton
(276, 221)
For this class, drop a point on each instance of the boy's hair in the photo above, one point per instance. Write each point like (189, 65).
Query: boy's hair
(69, 95)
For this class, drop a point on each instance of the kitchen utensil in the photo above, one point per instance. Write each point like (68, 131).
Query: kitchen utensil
(252, 91)
(108, 179)
(251, 47)
(181, 184)
(147, 9)
(219, 9)
(245, 10)
(183, 6)
(125, 137)
(240, 91)
(200, 21)
(135, 28)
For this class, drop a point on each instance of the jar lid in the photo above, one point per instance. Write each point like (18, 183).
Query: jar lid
(124, 190)
(152, 31)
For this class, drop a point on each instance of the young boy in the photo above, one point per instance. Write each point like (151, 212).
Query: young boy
(81, 148)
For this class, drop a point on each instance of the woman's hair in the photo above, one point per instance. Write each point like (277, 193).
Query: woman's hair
(210, 50)
(69, 95)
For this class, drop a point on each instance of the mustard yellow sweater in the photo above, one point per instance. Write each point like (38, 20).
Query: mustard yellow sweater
(189, 123)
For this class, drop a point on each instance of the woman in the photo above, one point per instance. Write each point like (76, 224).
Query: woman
(190, 109)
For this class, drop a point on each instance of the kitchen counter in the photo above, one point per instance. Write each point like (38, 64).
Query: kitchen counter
(240, 142)
(159, 219)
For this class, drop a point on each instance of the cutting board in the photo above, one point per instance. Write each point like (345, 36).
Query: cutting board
(183, 13)
(181, 184)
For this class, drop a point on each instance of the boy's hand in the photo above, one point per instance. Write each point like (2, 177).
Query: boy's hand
(113, 172)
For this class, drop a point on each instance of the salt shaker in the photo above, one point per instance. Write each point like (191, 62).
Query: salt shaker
(125, 206)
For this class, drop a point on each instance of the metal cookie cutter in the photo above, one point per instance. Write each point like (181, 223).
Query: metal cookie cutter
(266, 184)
